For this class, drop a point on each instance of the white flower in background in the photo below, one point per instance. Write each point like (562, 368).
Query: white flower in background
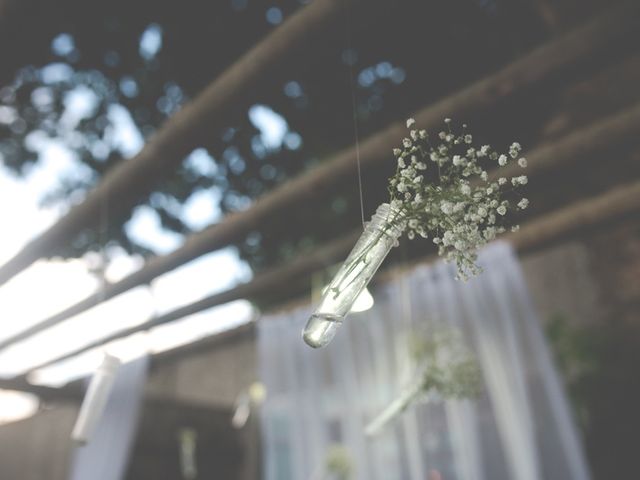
(455, 203)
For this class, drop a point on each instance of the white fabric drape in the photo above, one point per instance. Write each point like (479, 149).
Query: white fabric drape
(106, 455)
(520, 428)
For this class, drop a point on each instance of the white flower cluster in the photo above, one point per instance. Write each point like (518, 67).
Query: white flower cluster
(445, 193)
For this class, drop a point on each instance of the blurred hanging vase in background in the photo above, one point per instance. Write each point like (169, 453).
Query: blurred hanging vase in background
(95, 400)
(375, 243)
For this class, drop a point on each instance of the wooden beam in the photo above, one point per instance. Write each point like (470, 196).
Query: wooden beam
(586, 141)
(125, 185)
(70, 393)
(74, 392)
(618, 203)
(583, 143)
(261, 283)
(615, 205)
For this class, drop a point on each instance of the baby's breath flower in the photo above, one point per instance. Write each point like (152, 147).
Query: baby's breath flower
(520, 180)
(522, 162)
(446, 207)
(514, 149)
(456, 205)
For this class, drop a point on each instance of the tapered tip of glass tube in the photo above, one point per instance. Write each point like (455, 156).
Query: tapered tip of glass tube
(320, 329)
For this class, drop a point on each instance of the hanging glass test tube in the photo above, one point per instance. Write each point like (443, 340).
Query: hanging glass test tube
(379, 236)
(95, 400)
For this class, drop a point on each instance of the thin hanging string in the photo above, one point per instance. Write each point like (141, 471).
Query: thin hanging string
(103, 236)
(354, 106)
(103, 225)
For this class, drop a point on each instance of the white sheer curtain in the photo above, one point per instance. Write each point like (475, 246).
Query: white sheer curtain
(106, 456)
(520, 428)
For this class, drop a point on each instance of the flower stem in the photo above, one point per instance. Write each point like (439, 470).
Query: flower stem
(395, 408)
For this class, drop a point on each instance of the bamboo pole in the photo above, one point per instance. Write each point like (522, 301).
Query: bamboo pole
(585, 141)
(75, 391)
(125, 185)
(261, 283)
(620, 202)
(45, 393)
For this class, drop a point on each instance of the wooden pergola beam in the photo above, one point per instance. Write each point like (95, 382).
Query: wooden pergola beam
(614, 129)
(545, 63)
(74, 393)
(620, 202)
(126, 184)
(261, 283)
(68, 393)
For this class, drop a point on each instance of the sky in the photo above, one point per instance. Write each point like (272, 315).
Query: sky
(49, 286)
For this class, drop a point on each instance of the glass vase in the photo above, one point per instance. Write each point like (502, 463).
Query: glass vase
(375, 243)
(95, 400)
